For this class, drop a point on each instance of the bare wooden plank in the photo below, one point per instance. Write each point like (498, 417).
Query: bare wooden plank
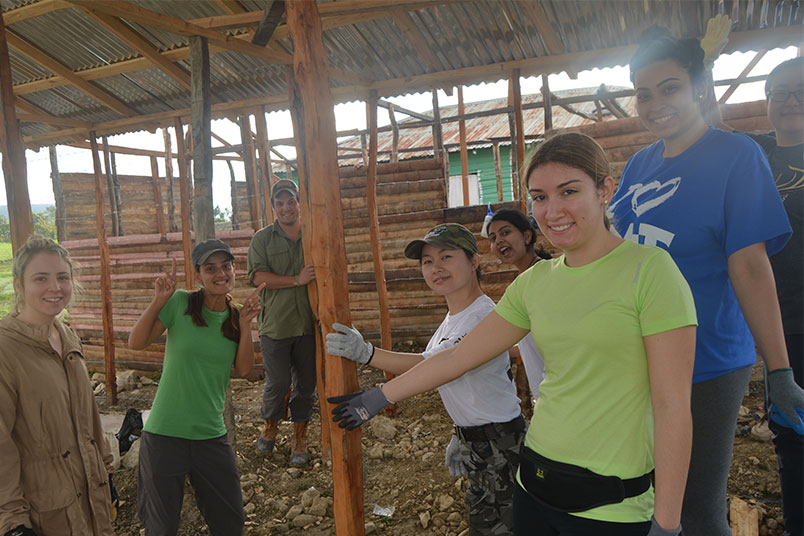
(107, 166)
(394, 134)
(547, 98)
(203, 218)
(522, 186)
(313, 107)
(14, 170)
(172, 227)
(464, 151)
(186, 217)
(271, 18)
(160, 209)
(105, 280)
(264, 149)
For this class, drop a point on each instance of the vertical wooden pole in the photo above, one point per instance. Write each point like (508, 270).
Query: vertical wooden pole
(464, 152)
(395, 134)
(548, 105)
(522, 187)
(364, 148)
(312, 290)
(172, 227)
(374, 234)
(185, 206)
(118, 203)
(14, 172)
(58, 194)
(159, 207)
(498, 170)
(105, 277)
(203, 218)
(235, 201)
(264, 148)
(251, 172)
(512, 155)
(438, 141)
(107, 166)
(314, 108)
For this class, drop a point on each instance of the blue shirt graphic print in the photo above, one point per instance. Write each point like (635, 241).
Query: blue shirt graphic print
(715, 198)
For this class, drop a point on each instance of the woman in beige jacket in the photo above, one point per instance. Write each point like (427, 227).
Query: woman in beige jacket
(54, 459)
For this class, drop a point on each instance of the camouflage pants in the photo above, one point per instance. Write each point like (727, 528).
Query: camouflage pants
(491, 467)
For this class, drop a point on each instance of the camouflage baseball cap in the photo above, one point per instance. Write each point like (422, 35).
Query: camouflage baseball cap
(447, 235)
(284, 185)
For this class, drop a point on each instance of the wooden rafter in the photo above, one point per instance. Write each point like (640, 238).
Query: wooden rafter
(416, 39)
(270, 20)
(538, 17)
(125, 33)
(232, 7)
(51, 64)
(748, 68)
(52, 120)
(182, 27)
(411, 113)
(30, 11)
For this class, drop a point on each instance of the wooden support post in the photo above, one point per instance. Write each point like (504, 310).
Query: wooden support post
(498, 170)
(394, 134)
(548, 105)
(438, 140)
(159, 207)
(512, 156)
(184, 189)
(464, 151)
(58, 194)
(264, 147)
(307, 238)
(203, 218)
(522, 187)
(169, 181)
(107, 166)
(250, 165)
(235, 202)
(14, 171)
(374, 234)
(118, 203)
(105, 278)
(312, 103)
(364, 149)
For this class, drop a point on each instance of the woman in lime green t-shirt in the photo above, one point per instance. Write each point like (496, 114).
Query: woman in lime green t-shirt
(615, 324)
(208, 338)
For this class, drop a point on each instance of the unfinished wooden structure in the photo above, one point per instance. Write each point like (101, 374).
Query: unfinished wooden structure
(78, 70)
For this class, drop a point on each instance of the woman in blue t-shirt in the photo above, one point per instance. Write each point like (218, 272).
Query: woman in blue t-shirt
(708, 198)
(208, 338)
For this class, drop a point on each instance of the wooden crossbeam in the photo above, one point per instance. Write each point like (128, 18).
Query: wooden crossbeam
(416, 39)
(270, 20)
(136, 41)
(53, 65)
(385, 104)
(53, 120)
(182, 27)
(748, 68)
(30, 11)
(538, 17)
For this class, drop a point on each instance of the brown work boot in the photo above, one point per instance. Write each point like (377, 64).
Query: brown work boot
(267, 438)
(298, 452)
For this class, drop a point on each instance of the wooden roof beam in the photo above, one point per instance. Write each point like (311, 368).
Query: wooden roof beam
(182, 27)
(411, 113)
(416, 39)
(53, 65)
(270, 20)
(33, 10)
(550, 38)
(748, 68)
(53, 120)
(232, 7)
(136, 41)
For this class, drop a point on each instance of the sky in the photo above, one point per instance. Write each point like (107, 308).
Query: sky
(353, 116)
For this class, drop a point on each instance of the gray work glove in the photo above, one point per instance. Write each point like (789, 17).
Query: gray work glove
(786, 400)
(356, 408)
(348, 342)
(656, 530)
(453, 459)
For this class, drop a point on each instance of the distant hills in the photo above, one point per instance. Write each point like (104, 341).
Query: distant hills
(35, 208)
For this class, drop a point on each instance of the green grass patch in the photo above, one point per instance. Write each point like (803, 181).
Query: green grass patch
(6, 281)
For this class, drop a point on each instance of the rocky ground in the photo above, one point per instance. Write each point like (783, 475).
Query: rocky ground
(408, 491)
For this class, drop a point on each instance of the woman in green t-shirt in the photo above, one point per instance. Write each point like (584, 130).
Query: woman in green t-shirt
(615, 324)
(208, 339)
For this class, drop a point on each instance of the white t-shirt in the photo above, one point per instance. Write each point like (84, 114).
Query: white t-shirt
(534, 363)
(483, 395)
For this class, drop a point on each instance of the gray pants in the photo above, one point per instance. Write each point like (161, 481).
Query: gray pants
(715, 406)
(164, 464)
(285, 361)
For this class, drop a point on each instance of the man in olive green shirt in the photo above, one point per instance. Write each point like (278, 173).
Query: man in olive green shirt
(287, 339)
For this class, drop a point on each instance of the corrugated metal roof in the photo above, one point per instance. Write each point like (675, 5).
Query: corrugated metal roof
(464, 34)
(481, 131)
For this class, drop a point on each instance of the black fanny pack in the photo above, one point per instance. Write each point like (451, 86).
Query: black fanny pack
(570, 488)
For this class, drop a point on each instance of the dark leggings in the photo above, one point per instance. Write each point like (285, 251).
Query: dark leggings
(533, 519)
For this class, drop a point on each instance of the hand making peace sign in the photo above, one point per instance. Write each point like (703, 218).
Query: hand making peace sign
(250, 308)
(165, 285)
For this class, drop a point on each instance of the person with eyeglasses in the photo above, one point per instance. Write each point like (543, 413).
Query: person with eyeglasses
(784, 147)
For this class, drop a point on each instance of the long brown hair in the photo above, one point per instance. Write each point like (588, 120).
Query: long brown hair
(230, 327)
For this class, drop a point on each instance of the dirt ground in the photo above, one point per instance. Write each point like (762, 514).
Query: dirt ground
(403, 476)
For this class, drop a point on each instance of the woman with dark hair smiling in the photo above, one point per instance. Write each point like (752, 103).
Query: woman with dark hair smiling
(708, 198)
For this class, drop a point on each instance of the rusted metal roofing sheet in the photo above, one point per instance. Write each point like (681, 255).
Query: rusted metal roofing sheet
(459, 34)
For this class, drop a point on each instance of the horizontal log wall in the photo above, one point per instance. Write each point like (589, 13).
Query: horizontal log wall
(136, 197)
